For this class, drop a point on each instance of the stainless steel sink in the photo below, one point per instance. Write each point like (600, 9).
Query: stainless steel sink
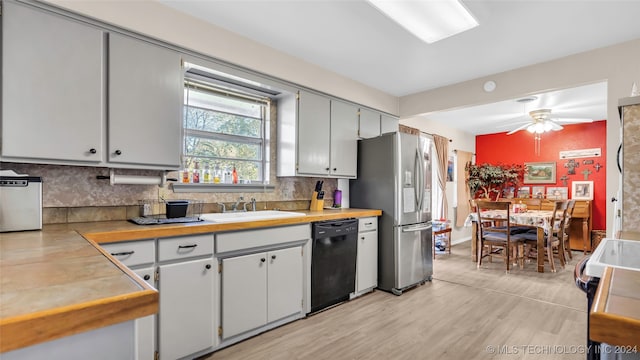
(249, 216)
(617, 253)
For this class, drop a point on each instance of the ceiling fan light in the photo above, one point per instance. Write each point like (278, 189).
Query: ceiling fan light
(547, 126)
(539, 128)
(531, 128)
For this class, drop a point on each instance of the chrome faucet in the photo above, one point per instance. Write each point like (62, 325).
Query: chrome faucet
(253, 205)
(222, 207)
(234, 207)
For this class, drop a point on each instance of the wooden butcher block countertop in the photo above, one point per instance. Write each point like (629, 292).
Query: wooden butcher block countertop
(58, 282)
(615, 314)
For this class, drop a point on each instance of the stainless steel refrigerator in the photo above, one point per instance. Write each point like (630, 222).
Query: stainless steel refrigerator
(394, 175)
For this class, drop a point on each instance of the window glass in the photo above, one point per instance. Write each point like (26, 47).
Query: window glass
(225, 129)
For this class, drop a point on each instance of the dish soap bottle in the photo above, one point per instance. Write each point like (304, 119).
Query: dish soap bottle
(196, 173)
(216, 174)
(234, 175)
(186, 178)
(207, 174)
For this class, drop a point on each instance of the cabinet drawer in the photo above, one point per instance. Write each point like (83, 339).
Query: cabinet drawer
(367, 224)
(184, 247)
(242, 240)
(133, 253)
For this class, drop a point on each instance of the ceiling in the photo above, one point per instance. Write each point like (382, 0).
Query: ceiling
(353, 39)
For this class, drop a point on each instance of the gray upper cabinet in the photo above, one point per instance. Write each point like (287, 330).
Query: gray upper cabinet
(368, 124)
(313, 134)
(145, 103)
(52, 87)
(344, 144)
(317, 136)
(388, 124)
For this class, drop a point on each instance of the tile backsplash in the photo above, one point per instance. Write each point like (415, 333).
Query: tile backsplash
(74, 194)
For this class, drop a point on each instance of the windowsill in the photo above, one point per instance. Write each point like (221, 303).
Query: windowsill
(226, 188)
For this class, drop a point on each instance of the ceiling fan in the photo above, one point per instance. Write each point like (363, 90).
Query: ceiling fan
(541, 121)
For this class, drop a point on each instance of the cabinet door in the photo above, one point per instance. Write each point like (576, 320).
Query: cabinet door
(52, 86)
(244, 293)
(313, 134)
(367, 263)
(145, 103)
(145, 328)
(344, 139)
(186, 308)
(369, 124)
(388, 124)
(284, 281)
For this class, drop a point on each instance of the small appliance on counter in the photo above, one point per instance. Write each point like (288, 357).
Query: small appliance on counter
(154, 212)
(20, 201)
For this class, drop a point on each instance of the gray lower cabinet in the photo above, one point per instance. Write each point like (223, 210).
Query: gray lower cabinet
(186, 278)
(260, 288)
(145, 103)
(140, 257)
(145, 328)
(52, 87)
(367, 258)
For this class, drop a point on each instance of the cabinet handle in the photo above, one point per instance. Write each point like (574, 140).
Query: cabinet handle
(263, 260)
(118, 152)
(362, 238)
(124, 253)
(208, 266)
(368, 224)
(147, 277)
(93, 151)
(187, 246)
(327, 169)
(335, 169)
(273, 257)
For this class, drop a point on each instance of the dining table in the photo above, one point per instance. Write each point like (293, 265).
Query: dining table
(540, 219)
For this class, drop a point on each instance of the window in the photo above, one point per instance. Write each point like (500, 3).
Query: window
(224, 128)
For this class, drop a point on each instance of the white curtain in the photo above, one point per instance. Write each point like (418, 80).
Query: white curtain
(442, 153)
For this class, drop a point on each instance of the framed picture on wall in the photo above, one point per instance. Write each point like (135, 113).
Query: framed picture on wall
(557, 193)
(537, 192)
(524, 192)
(540, 173)
(582, 190)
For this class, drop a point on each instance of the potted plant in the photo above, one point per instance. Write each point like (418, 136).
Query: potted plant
(488, 181)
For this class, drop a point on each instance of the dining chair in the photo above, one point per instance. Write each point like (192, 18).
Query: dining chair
(567, 229)
(500, 241)
(533, 203)
(553, 239)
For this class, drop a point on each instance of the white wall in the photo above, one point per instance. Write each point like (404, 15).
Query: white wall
(460, 140)
(618, 65)
(163, 23)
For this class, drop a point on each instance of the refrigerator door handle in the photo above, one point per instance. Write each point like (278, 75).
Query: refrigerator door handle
(417, 228)
(419, 181)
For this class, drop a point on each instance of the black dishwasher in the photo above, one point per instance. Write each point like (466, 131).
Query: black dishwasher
(333, 262)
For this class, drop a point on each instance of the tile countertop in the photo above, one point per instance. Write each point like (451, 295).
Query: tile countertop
(57, 282)
(615, 314)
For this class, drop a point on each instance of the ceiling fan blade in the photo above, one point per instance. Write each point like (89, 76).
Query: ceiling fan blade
(519, 128)
(573, 120)
(555, 126)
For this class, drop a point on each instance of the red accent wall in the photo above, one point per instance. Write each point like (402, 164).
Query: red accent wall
(519, 148)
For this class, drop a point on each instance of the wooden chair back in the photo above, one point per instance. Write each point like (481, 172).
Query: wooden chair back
(533, 203)
(494, 230)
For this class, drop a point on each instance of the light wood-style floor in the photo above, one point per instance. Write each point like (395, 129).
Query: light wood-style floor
(460, 315)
